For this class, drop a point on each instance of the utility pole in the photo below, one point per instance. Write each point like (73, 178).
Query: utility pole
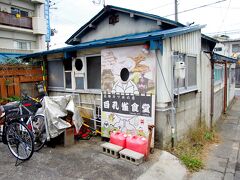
(176, 10)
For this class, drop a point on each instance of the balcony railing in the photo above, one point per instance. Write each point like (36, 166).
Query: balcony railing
(11, 20)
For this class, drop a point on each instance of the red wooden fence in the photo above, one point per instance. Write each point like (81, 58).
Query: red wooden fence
(11, 78)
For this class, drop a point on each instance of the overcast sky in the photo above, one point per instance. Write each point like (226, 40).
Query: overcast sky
(68, 16)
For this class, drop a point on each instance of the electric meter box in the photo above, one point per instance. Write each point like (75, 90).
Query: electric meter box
(180, 70)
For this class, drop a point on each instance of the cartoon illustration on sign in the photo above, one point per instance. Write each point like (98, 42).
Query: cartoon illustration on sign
(128, 90)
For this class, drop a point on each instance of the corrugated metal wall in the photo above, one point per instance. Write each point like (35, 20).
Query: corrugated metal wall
(189, 43)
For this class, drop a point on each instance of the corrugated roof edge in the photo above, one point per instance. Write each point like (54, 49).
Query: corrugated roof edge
(139, 13)
(139, 37)
(209, 38)
(218, 57)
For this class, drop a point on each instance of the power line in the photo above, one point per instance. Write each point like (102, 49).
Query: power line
(223, 20)
(159, 7)
(227, 32)
(233, 8)
(187, 10)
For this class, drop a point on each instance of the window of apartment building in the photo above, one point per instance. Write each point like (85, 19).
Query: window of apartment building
(218, 74)
(236, 48)
(24, 45)
(189, 83)
(55, 74)
(21, 12)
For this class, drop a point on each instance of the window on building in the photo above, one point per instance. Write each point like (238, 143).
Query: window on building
(218, 74)
(190, 81)
(82, 73)
(94, 72)
(236, 48)
(79, 73)
(21, 12)
(24, 45)
(232, 76)
(68, 72)
(218, 49)
(55, 74)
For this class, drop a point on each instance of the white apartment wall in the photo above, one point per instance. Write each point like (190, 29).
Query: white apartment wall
(9, 34)
(16, 3)
(7, 39)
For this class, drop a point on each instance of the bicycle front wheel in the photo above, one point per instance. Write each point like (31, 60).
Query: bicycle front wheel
(20, 140)
(39, 131)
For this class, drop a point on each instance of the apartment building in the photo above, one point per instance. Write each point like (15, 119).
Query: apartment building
(24, 27)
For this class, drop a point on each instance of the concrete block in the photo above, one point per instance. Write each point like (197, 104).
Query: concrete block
(69, 136)
(131, 156)
(111, 149)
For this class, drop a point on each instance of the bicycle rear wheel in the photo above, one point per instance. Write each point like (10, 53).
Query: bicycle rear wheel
(19, 140)
(39, 131)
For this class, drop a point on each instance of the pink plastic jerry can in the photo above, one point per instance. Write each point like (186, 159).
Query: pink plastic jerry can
(118, 138)
(138, 144)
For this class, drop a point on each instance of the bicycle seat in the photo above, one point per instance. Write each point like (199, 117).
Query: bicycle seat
(8, 107)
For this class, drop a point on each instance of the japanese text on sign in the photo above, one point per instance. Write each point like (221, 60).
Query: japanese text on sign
(128, 104)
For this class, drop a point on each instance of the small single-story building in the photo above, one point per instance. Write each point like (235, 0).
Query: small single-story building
(141, 69)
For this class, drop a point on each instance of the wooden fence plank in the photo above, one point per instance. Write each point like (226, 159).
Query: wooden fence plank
(10, 87)
(30, 78)
(17, 87)
(3, 88)
(20, 72)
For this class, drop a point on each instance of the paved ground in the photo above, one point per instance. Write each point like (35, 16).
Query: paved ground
(224, 159)
(84, 160)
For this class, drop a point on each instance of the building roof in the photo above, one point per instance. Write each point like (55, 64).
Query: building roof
(105, 11)
(130, 38)
(220, 58)
(210, 38)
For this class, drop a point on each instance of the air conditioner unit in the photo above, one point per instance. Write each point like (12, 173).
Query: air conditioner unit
(79, 65)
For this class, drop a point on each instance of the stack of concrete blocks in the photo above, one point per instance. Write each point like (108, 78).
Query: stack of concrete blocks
(128, 155)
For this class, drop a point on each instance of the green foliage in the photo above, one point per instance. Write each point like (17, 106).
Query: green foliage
(208, 136)
(192, 163)
(13, 98)
(190, 150)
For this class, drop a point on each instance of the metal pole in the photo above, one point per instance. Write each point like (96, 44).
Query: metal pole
(212, 94)
(225, 88)
(176, 10)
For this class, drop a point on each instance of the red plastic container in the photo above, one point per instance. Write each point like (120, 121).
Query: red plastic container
(138, 144)
(118, 138)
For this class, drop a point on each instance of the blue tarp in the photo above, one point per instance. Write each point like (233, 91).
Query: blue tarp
(5, 56)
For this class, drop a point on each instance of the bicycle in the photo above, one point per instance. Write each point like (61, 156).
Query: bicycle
(36, 120)
(16, 134)
(28, 108)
